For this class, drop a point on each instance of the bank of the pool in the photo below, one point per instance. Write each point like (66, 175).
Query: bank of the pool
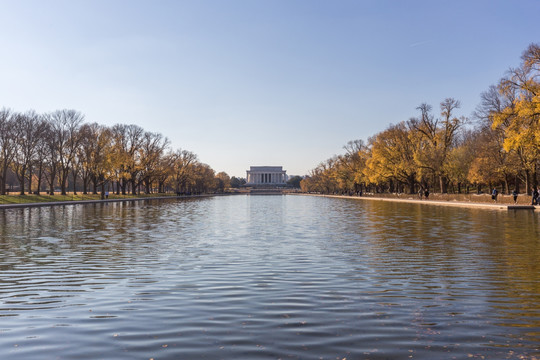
(462, 204)
(83, 202)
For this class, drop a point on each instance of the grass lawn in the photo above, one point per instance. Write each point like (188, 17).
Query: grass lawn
(24, 199)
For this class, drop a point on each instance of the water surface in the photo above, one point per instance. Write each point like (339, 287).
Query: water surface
(268, 277)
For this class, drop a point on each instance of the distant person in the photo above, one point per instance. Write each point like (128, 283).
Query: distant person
(515, 195)
(106, 194)
(535, 197)
(494, 194)
(426, 193)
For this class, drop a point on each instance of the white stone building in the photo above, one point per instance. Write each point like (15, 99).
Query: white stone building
(266, 175)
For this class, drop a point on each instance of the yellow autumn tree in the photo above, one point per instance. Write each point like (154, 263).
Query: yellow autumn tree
(520, 119)
(392, 156)
(223, 181)
(352, 167)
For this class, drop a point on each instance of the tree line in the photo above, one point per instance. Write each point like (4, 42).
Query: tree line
(59, 149)
(445, 152)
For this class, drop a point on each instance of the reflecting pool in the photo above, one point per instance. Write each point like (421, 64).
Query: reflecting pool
(268, 277)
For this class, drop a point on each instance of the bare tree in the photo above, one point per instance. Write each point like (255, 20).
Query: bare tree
(7, 145)
(436, 138)
(41, 153)
(65, 126)
(183, 163)
(51, 155)
(86, 152)
(165, 170)
(153, 147)
(29, 128)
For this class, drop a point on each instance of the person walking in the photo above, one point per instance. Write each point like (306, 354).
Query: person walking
(515, 195)
(535, 197)
(494, 194)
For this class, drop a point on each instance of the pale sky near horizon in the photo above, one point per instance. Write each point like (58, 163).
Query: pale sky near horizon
(252, 82)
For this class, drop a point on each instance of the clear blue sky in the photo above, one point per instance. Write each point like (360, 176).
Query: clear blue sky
(241, 83)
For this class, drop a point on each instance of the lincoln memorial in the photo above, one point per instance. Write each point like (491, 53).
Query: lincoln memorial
(266, 175)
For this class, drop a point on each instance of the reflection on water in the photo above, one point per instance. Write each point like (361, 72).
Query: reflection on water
(268, 277)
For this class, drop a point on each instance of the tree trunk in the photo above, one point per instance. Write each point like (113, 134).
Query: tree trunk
(534, 177)
(63, 181)
(74, 176)
(147, 186)
(85, 185)
(133, 187)
(412, 184)
(3, 176)
(39, 179)
(22, 180)
(51, 180)
(123, 186)
(443, 182)
(30, 178)
(528, 182)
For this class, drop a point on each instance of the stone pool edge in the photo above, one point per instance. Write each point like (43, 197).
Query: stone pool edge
(461, 204)
(83, 202)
